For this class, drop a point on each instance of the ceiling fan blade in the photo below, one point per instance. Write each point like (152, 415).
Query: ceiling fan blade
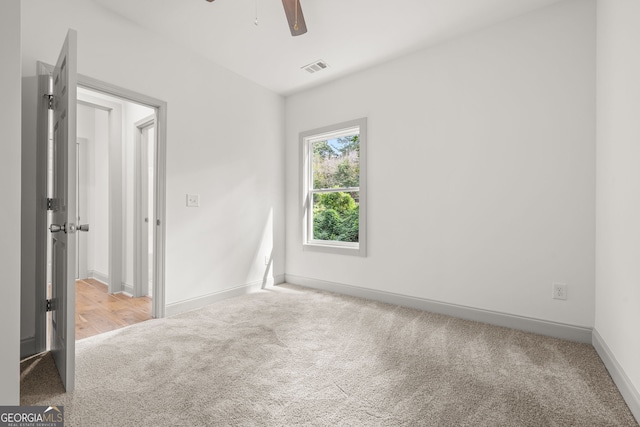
(295, 17)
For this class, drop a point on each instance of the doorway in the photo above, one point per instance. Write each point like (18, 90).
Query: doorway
(107, 176)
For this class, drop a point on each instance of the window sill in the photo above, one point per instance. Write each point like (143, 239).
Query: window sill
(334, 249)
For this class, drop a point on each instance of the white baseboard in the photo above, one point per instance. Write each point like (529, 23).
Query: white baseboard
(100, 277)
(128, 289)
(543, 327)
(27, 347)
(195, 303)
(620, 378)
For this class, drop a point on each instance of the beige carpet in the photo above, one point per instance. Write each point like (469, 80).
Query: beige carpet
(293, 356)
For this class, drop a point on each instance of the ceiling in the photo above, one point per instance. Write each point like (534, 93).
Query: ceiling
(349, 35)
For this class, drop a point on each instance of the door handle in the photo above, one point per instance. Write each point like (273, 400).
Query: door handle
(55, 228)
(70, 229)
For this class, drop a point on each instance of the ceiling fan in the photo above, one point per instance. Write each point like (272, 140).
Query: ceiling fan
(292, 9)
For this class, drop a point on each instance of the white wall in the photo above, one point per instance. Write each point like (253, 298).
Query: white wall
(99, 220)
(225, 142)
(618, 186)
(481, 169)
(93, 125)
(10, 196)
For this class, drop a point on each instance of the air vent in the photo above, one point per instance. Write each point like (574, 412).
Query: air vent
(315, 66)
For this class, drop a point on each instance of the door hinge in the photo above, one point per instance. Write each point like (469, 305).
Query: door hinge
(50, 98)
(49, 305)
(51, 204)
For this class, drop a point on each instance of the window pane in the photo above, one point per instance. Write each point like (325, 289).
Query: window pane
(336, 216)
(336, 162)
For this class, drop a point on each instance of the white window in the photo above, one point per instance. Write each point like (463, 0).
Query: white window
(334, 188)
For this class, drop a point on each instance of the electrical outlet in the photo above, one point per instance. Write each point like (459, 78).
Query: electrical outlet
(266, 260)
(193, 200)
(559, 291)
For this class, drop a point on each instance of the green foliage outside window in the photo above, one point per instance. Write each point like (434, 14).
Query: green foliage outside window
(336, 216)
(336, 164)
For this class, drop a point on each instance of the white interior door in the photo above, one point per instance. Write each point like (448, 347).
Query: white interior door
(64, 212)
(144, 207)
(150, 156)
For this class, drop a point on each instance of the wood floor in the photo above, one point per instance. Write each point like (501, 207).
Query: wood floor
(98, 312)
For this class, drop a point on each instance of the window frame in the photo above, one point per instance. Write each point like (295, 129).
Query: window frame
(306, 179)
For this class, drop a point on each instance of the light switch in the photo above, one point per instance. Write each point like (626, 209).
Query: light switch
(193, 200)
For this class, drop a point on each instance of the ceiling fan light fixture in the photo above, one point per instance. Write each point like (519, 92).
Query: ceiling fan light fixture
(295, 17)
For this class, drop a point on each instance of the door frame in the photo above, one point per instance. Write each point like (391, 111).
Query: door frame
(42, 172)
(44, 71)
